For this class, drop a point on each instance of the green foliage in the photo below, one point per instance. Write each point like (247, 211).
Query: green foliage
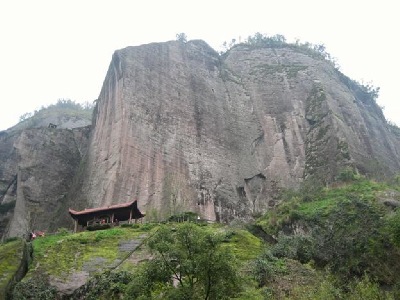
(108, 285)
(266, 267)
(184, 217)
(189, 263)
(181, 37)
(393, 227)
(347, 174)
(351, 241)
(37, 288)
(299, 247)
(367, 289)
(242, 244)
(366, 93)
(344, 229)
(140, 227)
(61, 254)
(261, 40)
(63, 106)
(11, 253)
(327, 287)
(313, 203)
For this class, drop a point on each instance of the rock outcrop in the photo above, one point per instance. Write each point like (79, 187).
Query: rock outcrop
(38, 170)
(179, 127)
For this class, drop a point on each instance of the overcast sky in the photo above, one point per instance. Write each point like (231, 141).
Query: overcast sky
(61, 49)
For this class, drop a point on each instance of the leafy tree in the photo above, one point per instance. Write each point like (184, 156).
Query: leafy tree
(189, 263)
(25, 116)
(181, 37)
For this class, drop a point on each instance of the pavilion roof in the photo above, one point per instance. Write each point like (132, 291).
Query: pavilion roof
(100, 209)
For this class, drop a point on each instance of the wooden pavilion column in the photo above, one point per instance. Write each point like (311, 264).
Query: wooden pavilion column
(130, 216)
(75, 225)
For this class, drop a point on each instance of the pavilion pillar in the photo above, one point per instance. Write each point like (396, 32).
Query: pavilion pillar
(112, 218)
(75, 225)
(130, 216)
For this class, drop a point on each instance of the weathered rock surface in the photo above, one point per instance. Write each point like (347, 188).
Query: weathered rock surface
(37, 171)
(178, 127)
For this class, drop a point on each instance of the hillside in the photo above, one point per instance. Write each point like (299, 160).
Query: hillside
(64, 114)
(339, 242)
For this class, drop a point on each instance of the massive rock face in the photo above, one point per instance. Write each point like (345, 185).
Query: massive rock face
(179, 127)
(38, 167)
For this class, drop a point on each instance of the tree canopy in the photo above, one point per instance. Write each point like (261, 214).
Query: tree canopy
(189, 263)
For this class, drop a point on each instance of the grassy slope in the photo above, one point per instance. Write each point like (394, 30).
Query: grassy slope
(346, 229)
(94, 251)
(282, 276)
(62, 254)
(10, 259)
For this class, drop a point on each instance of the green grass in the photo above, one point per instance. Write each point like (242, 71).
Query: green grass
(320, 204)
(10, 259)
(243, 244)
(61, 254)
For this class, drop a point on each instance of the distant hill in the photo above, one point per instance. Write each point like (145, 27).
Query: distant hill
(64, 114)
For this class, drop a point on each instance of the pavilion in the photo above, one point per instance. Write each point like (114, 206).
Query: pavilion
(108, 214)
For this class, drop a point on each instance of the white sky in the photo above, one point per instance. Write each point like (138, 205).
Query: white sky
(53, 49)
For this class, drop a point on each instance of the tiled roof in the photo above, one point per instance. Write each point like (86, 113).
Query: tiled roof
(91, 210)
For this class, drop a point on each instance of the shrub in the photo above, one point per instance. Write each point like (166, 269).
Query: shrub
(108, 285)
(299, 247)
(265, 267)
(184, 217)
(36, 288)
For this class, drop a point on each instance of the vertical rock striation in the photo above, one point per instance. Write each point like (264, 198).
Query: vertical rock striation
(179, 127)
(37, 172)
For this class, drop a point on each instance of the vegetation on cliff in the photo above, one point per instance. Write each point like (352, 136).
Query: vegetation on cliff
(340, 242)
(11, 256)
(62, 110)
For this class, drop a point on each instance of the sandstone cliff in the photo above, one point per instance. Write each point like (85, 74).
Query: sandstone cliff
(37, 171)
(179, 127)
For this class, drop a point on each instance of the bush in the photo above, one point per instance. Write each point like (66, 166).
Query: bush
(108, 285)
(299, 247)
(36, 288)
(347, 175)
(184, 217)
(265, 267)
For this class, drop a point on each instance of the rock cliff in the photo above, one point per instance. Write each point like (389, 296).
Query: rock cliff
(179, 127)
(37, 171)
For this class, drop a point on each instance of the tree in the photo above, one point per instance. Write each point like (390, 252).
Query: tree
(189, 263)
(25, 116)
(181, 37)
